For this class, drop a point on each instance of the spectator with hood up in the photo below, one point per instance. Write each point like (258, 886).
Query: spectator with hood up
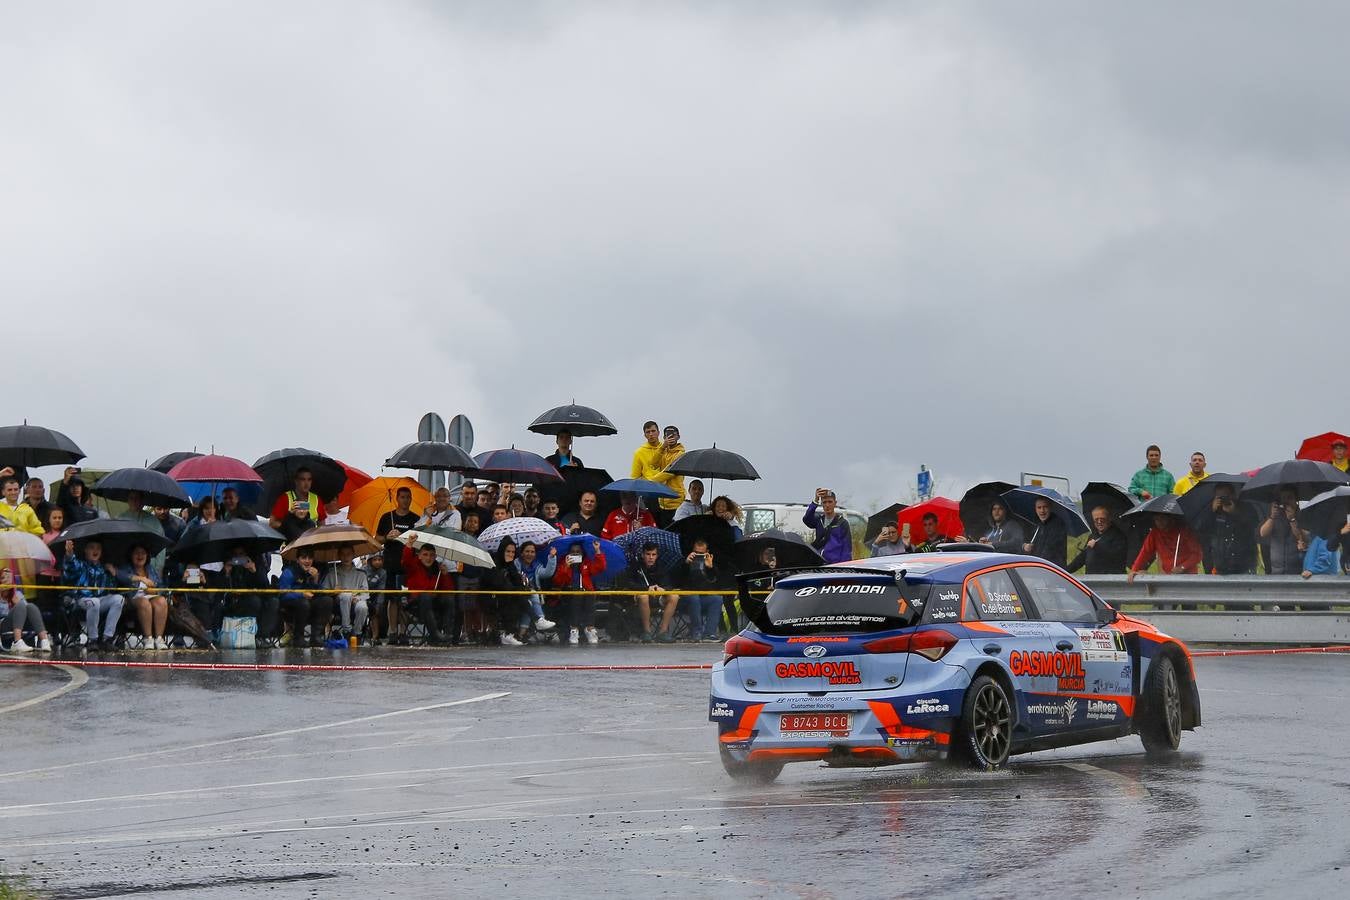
(1005, 533)
(1173, 544)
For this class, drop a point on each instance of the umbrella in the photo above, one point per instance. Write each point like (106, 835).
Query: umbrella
(975, 503)
(326, 540)
(1305, 476)
(520, 529)
(1140, 519)
(32, 446)
(278, 470)
(450, 544)
(213, 541)
(431, 456)
(615, 558)
(118, 536)
(714, 463)
(791, 549)
(947, 511)
(169, 460)
(155, 488)
(577, 480)
(214, 469)
(1198, 499)
(182, 618)
(249, 491)
(579, 421)
(1318, 447)
(1103, 493)
(640, 486)
(24, 552)
(713, 529)
(1325, 513)
(1022, 500)
(355, 479)
(667, 542)
(516, 466)
(879, 520)
(378, 497)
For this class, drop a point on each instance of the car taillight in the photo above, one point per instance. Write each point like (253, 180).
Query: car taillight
(931, 645)
(744, 646)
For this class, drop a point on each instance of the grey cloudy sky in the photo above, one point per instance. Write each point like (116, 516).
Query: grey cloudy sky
(840, 239)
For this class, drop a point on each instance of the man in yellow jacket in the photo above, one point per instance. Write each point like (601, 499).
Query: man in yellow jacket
(1196, 475)
(651, 460)
(18, 513)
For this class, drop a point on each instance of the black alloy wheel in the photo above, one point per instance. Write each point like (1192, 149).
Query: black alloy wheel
(986, 724)
(1160, 713)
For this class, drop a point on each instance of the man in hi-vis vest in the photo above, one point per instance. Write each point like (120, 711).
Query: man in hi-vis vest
(299, 509)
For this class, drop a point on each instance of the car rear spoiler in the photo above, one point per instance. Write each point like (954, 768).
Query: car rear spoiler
(756, 610)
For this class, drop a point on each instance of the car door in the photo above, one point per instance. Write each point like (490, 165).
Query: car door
(1104, 682)
(1004, 627)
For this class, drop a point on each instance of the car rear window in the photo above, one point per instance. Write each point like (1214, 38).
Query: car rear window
(850, 607)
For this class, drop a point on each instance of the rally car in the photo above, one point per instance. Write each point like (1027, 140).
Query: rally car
(961, 654)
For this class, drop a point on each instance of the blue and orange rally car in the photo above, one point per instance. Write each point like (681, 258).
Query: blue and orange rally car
(962, 654)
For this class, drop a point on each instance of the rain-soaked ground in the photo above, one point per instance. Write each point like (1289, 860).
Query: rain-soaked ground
(549, 784)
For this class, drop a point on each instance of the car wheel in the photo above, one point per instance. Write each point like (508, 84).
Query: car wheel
(750, 772)
(1159, 719)
(986, 724)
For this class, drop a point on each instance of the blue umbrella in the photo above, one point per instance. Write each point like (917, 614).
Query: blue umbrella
(249, 491)
(1022, 501)
(615, 561)
(640, 486)
(668, 542)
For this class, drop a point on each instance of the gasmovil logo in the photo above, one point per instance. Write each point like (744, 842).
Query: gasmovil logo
(815, 651)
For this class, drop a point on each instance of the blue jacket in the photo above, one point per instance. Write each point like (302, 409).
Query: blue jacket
(294, 581)
(835, 541)
(90, 579)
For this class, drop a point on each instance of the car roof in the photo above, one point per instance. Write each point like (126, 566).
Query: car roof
(944, 566)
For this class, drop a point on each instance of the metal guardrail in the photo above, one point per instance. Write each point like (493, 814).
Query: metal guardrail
(1236, 609)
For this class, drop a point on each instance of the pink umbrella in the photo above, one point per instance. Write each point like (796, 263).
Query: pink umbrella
(214, 468)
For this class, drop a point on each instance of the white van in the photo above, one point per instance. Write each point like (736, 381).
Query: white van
(788, 517)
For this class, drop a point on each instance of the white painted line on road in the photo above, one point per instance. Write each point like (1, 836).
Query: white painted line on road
(1132, 786)
(78, 678)
(257, 737)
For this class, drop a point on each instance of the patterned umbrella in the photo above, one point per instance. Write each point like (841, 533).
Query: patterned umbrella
(668, 542)
(520, 529)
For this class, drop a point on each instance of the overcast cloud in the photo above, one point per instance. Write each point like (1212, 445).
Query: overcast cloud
(840, 239)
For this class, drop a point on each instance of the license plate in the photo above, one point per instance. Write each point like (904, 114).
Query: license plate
(818, 724)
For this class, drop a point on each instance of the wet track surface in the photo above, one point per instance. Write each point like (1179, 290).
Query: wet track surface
(234, 784)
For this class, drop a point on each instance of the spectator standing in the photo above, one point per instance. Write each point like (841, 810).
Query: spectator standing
(1050, 539)
(1173, 544)
(1288, 542)
(531, 498)
(471, 522)
(698, 572)
(15, 509)
(1338, 455)
(468, 498)
(651, 460)
(932, 537)
(1152, 480)
(441, 512)
(392, 524)
(563, 455)
(576, 572)
(1196, 475)
(1005, 534)
(1105, 551)
(648, 579)
(35, 495)
(1227, 534)
(585, 519)
(729, 511)
(628, 517)
(834, 538)
(353, 597)
(694, 505)
(93, 590)
(171, 525)
(888, 542)
(299, 509)
(72, 495)
(231, 508)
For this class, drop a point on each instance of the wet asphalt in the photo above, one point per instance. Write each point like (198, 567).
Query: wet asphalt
(271, 784)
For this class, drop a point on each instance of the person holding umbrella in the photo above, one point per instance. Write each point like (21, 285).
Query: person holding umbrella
(628, 517)
(1228, 534)
(1050, 540)
(1005, 534)
(834, 538)
(932, 535)
(422, 574)
(563, 456)
(1105, 551)
(576, 572)
(1288, 542)
(1173, 544)
(93, 590)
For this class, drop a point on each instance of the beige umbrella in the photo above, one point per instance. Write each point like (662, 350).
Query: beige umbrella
(326, 540)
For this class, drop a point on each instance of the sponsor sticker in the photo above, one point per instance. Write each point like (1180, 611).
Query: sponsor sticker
(1060, 712)
(721, 711)
(939, 614)
(843, 672)
(927, 707)
(1102, 710)
(1066, 668)
(1102, 644)
(815, 651)
(949, 596)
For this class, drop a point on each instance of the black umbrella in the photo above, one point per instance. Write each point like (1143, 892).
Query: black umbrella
(576, 480)
(432, 456)
(278, 470)
(117, 536)
(169, 460)
(1326, 513)
(791, 550)
(714, 529)
(714, 463)
(155, 488)
(1198, 499)
(879, 520)
(183, 619)
(1103, 493)
(579, 421)
(1305, 476)
(975, 503)
(515, 466)
(212, 542)
(1140, 519)
(32, 446)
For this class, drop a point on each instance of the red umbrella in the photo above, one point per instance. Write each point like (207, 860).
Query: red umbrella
(356, 479)
(1318, 447)
(947, 511)
(214, 468)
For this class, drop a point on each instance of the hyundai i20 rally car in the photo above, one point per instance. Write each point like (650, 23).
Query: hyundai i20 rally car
(960, 654)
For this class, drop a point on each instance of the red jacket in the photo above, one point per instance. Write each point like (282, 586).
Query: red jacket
(620, 523)
(1178, 551)
(593, 566)
(417, 578)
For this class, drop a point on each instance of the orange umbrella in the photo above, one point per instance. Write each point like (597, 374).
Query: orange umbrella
(377, 498)
(356, 479)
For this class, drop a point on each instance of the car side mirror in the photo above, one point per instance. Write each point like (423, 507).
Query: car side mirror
(1106, 615)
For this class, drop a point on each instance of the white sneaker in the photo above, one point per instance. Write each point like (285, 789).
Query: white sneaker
(147, 643)
(20, 647)
(45, 645)
(591, 636)
(84, 639)
(510, 640)
(161, 643)
(573, 637)
(544, 624)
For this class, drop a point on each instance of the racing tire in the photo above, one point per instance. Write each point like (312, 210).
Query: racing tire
(1160, 711)
(749, 772)
(985, 739)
